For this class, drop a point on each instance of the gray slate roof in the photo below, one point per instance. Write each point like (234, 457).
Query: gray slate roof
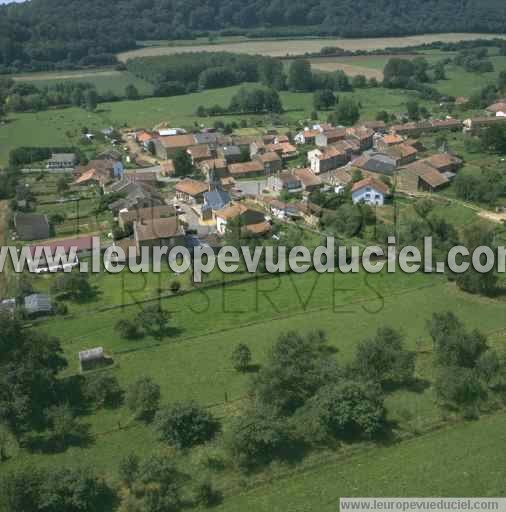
(31, 226)
(216, 199)
(38, 303)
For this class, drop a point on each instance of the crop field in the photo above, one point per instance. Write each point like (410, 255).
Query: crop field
(284, 47)
(104, 80)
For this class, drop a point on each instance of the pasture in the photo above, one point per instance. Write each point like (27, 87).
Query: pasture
(105, 80)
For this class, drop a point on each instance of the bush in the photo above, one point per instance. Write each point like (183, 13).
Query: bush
(175, 286)
(241, 357)
(104, 390)
(129, 329)
(143, 398)
(185, 424)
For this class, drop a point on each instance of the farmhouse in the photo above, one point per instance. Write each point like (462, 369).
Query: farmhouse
(444, 162)
(136, 195)
(402, 154)
(216, 166)
(376, 162)
(214, 200)
(166, 147)
(429, 178)
(338, 178)
(191, 191)
(31, 226)
(231, 154)
(369, 191)
(363, 135)
(330, 136)
(284, 149)
(200, 153)
(282, 210)
(306, 137)
(498, 109)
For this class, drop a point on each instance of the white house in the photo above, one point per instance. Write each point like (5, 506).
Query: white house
(369, 191)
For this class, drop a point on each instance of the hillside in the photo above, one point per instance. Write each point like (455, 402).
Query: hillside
(47, 34)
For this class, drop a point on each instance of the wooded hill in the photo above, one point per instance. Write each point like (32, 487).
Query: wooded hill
(48, 34)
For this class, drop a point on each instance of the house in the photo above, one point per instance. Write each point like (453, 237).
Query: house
(271, 161)
(200, 153)
(306, 137)
(330, 136)
(363, 135)
(446, 124)
(369, 191)
(31, 226)
(127, 217)
(136, 195)
(389, 140)
(310, 212)
(379, 163)
(284, 149)
(38, 304)
(141, 176)
(477, 123)
(227, 183)
(61, 161)
(244, 141)
(216, 166)
(326, 159)
(376, 126)
(231, 154)
(163, 232)
(166, 147)
(285, 181)
(429, 178)
(191, 191)
(444, 162)
(246, 169)
(403, 154)
(310, 182)
(92, 358)
(212, 138)
(214, 200)
(498, 109)
(98, 172)
(250, 220)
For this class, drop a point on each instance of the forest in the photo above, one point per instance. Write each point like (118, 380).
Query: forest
(54, 34)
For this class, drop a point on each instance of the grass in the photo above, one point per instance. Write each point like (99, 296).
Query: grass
(104, 80)
(63, 126)
(459, 461)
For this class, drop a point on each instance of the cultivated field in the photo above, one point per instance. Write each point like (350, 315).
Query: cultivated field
(284, 47)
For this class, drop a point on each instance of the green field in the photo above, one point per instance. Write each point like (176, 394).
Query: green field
(465, 460)
(105, 81)
(63, 126)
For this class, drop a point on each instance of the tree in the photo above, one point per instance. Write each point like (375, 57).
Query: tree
(347, 409)
(73, 286)
(20, 490)
(62, 186)
(129, 329)
(131, 92)
(300, 76)
(74, 490)
(103, 390)
(323, 100)
(383, 115)
(453, 345)
(241, 357)
(460, 388)
(295, 369)
(347, 112)
(65, 428)
(154, 320)
(90, 99)
(29, 365)
(143, 398)
(183, 163)
(383, 359)
(359, 82)
(185, 424)
(413, 110)
(129, 469)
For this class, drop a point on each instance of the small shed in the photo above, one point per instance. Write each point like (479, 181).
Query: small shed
(92, 358)
(38, 304)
